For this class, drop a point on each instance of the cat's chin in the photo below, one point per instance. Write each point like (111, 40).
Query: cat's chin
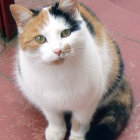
(57, 62)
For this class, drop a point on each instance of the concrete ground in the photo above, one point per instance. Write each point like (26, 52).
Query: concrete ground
(19, 120)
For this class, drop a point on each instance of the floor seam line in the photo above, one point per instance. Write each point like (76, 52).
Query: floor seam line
(6, 77)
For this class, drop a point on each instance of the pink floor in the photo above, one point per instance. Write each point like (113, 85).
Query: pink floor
(19, 120)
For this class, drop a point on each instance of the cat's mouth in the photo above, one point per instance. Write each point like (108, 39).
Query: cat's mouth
(58, 61)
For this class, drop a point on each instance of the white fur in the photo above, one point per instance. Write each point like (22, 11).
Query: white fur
(76, 85)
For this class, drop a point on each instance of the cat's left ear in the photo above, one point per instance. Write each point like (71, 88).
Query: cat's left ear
(21, 15)
(70, 6)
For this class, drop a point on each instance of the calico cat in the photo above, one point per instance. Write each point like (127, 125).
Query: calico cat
(67, 62)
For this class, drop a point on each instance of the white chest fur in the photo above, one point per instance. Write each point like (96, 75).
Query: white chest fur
(64, 87)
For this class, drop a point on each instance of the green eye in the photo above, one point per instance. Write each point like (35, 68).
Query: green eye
(40, 39)
(66, 33)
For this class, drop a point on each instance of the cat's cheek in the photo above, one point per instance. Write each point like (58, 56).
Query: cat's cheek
(46, 54)
(48, 58)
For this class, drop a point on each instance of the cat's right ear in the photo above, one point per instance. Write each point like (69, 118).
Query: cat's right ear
(70, 6)
(21, 15)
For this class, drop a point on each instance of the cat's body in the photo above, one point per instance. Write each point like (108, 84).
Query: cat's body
(79, 70)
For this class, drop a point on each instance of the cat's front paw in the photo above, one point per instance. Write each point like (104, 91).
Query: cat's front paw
(54, 134)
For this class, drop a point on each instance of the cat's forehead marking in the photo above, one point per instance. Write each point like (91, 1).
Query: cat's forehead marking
(43, 16)
(68, 17)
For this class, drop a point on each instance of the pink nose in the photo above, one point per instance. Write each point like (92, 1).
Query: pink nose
(58, 51)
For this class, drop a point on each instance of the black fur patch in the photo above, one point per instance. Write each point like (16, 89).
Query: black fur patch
(35, 12)
(89, 25)
(69, 19)
(100, 132)
(108, 130)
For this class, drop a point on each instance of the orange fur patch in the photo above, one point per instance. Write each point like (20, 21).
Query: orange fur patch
(115, 59)
(31, 30)
(75, 125)
(66, 49)
(108, 119)
(124, 95)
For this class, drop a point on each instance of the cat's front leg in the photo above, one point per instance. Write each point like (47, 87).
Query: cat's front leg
(80, 124)
(56, 128)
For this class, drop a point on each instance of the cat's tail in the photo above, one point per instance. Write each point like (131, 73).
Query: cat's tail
(111, 119)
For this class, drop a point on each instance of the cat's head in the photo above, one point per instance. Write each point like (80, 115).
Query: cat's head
(51, 34)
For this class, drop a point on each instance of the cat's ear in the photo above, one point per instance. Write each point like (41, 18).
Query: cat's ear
(21, 15)
(70, 6)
